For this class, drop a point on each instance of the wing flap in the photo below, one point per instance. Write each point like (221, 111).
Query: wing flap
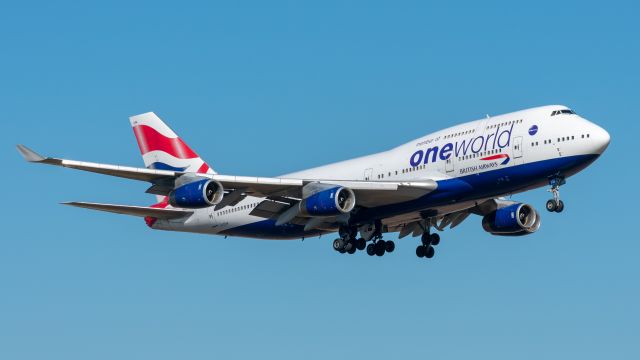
(142, 211)
(268, 209)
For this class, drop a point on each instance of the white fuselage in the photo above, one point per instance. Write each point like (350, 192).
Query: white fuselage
(492, 157)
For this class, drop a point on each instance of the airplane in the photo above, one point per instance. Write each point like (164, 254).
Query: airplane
(431, 183)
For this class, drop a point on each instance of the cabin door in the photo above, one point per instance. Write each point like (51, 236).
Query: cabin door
(368, 173)
(517, 147)
(449, 164)
(516, 150)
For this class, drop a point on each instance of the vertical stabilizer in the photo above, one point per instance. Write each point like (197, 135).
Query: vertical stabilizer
(162, 149)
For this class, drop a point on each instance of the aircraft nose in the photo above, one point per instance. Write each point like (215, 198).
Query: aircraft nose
(600, 139)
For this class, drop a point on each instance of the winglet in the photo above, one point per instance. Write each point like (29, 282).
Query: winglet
(29, 155)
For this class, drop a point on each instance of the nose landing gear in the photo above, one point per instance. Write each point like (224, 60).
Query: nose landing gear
(555, 204)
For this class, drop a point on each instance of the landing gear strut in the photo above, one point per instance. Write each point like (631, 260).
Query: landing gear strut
(426, 249)
(555, 204)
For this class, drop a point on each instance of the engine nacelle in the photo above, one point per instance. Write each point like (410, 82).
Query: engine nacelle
(197, 194)
(329, 202)
(512, 220)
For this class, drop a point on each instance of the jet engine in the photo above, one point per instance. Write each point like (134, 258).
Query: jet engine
(197, 194)
(512, 220)
(329, 202)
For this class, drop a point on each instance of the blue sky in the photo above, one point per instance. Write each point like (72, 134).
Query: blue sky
(265, 88)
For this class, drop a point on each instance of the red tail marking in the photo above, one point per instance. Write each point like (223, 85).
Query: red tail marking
(203, 169)
(161, 205)
(151, 140)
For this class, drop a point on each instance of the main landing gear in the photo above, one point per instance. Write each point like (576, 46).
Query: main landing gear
(555, 204)
(426, 249)
(379, 247)
(349, 243)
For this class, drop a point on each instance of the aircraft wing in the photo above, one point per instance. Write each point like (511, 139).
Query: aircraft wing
(368, 193)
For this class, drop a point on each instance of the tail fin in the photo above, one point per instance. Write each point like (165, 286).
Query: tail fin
(162, 149)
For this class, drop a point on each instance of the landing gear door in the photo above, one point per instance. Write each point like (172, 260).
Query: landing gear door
(368, 173)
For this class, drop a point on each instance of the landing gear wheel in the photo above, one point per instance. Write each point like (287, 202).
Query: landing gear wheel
(349, 246)
(389, 246)
(425, 239)
(338, 244)
(555, 204)
(435, 239)
(430, 252)
(380, 247)
(352, 250)
(371, 249)
(361, 244)
(421, 251)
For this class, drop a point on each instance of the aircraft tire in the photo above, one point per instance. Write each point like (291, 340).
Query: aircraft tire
(430, 252)
(348, 245)
(425, 238)
(389, 246)
(371, 249)
(435, 239)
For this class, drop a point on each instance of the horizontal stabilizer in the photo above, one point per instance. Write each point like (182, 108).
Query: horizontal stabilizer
(133, 210)
(30, 155)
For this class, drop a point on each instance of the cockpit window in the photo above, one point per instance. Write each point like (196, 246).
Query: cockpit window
(563, 111)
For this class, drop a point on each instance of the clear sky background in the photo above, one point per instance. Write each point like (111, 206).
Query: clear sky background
(265, 88)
